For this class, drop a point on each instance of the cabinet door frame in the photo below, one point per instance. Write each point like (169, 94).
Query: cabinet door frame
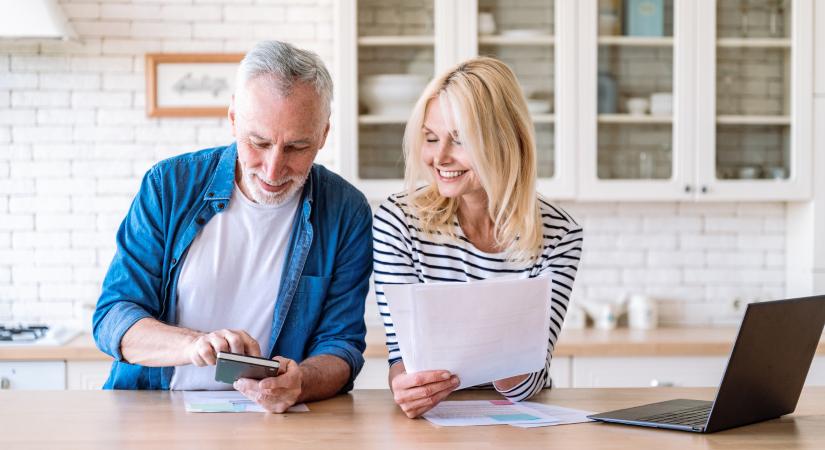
(680, 185)
(460, 35)
(798, 186)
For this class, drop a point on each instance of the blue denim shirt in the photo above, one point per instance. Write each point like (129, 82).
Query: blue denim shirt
(319, 308)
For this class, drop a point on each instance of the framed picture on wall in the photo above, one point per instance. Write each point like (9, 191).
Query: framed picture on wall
(190, 84)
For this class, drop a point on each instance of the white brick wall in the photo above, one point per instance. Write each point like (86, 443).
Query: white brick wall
(75, 140)
(697, 259)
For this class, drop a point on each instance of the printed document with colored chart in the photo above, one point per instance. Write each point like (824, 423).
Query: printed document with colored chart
(502, 412)
(481, 331)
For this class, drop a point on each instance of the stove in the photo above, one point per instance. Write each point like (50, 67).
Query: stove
(35, 334)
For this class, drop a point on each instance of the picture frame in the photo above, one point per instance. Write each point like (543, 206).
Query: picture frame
(190, 84)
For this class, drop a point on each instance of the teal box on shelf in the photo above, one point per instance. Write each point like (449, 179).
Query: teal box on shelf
(644, 17)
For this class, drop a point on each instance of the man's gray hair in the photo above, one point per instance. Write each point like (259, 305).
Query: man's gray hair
(285, 64)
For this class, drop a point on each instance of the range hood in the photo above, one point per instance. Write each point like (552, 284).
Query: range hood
(34, 19)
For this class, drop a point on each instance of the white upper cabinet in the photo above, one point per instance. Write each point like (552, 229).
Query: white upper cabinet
(754, 99)
(635, 73)
(631, 99)
(536, 38)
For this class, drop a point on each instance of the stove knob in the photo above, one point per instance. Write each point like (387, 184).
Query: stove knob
(5, 383)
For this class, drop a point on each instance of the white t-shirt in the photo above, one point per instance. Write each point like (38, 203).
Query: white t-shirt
(230, 278)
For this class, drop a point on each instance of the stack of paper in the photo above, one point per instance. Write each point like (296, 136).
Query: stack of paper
(481, 331)
(502, 412)
(226, 401)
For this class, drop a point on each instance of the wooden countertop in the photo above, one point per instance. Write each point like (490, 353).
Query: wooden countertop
(588, 342)
(367, 419)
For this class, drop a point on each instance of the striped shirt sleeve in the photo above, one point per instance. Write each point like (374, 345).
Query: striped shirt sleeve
(561, 264)
(393, 262)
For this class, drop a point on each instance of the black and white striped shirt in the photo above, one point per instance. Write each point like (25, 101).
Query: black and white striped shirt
(402, 254)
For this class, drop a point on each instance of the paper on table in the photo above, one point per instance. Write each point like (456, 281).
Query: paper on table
(560, 415)
(482, 331)
(482, 412)
(226, 401)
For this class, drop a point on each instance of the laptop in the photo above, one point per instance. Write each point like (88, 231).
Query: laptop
(764, 377)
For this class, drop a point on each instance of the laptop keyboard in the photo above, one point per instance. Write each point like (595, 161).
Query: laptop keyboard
(697, 415)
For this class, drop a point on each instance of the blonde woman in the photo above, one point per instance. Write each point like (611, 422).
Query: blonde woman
(470, 142)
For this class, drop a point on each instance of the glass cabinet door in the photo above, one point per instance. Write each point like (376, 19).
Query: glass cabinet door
(753, 121)
(758, 75)
(631, 76)
(523, 34)
(395, 62)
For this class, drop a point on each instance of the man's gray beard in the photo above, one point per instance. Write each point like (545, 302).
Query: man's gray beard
(272, 199)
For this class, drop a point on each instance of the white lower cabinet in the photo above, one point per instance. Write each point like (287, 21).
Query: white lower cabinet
(683, 371)
(87, 375)
(816, 375)
(375, 371)
(373, 375)
(561, 368)
(31, 375)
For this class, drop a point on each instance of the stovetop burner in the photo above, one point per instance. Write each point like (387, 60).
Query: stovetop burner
(22, 333)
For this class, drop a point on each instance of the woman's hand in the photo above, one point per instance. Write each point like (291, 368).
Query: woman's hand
(417, 393)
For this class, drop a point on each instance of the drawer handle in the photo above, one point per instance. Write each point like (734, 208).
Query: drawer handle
(659, 383)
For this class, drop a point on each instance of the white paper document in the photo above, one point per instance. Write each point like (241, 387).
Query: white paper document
(560, 415)
(481, 331)
(502, 412)
(226, 401)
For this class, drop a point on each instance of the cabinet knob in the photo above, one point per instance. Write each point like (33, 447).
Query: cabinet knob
(687, 189)
(704, 189)
(5, 383)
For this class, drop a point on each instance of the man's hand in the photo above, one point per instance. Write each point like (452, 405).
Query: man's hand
(203, 350)
(417, 393)
(274, 394)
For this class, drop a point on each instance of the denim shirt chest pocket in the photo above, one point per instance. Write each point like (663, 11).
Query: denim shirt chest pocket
(309, 300)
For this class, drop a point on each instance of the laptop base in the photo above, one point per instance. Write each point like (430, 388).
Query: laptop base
(654, 414)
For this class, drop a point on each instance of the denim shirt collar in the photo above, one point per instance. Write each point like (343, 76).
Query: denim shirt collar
(223, 182)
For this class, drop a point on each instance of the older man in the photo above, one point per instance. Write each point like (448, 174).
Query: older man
(248, 248)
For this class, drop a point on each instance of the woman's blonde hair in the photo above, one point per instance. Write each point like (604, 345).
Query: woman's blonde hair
(484, 102)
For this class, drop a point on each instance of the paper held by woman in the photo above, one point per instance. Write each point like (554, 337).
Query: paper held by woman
(481, 331)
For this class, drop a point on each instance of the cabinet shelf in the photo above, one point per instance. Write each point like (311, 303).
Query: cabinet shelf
(634, 118)
(635, 41)
(544, 118)
(754, 42)
(753, 120)
(396, 41)
(375, 119)
(516, 40)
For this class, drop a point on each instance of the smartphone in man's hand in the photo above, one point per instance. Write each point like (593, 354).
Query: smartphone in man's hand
(232, 366)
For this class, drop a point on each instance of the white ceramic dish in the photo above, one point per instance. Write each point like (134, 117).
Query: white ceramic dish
(391, 94)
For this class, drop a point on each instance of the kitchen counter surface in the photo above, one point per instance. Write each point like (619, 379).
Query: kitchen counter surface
(589, 342)
(369, 419)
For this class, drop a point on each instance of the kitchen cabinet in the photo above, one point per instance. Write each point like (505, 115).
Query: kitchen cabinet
(30, 375)
(375, 371)
(740, 77)
(63, 374)
(87, 375)
(710, 100)
(426, 37)
(682, 371)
